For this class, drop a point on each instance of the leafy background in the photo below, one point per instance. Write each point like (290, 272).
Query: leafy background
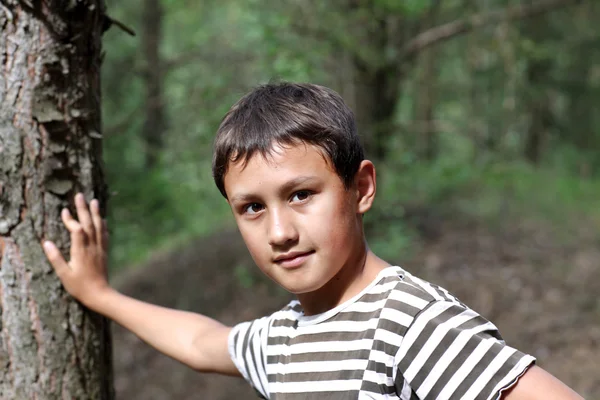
(494, 120)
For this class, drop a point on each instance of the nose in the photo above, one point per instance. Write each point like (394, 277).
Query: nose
(282, 230)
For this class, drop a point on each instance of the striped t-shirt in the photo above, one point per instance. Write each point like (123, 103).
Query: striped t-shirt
(400, 338)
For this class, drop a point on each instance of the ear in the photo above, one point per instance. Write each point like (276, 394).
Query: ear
(365, 185)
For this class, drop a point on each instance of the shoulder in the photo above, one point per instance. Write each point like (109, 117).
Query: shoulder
(408, 302)
(427, 290)
(411, 295)
(285, 317)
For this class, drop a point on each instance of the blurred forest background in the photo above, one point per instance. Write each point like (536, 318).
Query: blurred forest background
(481, 117)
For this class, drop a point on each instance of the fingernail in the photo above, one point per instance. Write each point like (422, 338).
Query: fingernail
(47, 245)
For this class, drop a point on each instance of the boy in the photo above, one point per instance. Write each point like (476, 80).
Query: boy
(288, 161)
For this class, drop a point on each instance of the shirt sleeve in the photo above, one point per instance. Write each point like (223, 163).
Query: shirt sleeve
(247, 348)
(451, 352)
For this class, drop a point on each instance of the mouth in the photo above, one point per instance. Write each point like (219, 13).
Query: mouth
(292, 259)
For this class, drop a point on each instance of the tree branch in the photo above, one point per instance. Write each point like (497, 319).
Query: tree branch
(451, 29)
(204, 56)
(109, 21)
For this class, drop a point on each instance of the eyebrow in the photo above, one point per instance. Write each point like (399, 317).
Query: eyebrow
(286, 187)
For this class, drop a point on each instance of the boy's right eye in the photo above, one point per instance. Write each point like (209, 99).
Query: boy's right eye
(253, 208)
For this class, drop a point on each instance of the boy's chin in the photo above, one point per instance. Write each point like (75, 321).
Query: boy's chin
(299, 286)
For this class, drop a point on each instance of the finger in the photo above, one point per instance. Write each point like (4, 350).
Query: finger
(84, 217)
(78, 242)
(70, 222)
(56, 259)
(97, 220)
(104, 235)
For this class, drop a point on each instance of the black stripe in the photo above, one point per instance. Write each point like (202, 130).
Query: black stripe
(502, 372)
(401, 306)
(477, 370)
(455, 364)
(284, 322)
(426, 333)
(356, 316)
(318, 376)
(325, 356)
(341, 395)
(373, 387)
(392, 326)
(257, 359)
(411, 287)
(434, 357)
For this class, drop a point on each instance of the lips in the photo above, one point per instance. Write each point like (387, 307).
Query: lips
(292, 259)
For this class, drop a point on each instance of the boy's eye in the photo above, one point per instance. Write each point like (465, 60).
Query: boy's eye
(301, 195)
(253, 208)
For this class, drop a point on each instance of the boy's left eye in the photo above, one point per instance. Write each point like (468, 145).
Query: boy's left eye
(301, 195)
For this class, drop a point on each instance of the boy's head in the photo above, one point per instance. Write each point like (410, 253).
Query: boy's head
(289, 162)
(288, 114)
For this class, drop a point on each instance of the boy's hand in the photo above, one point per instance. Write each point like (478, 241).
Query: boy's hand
(84, 276)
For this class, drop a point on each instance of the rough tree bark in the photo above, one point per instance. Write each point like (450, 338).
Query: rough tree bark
(50, 148)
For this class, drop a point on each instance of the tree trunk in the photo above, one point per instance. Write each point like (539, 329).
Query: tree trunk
(376, 90)
(538, 75)
(540, 123)
(154, 119)
(50, 148)
(425, 127)
(376, 98)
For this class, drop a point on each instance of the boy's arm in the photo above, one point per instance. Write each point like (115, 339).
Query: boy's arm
(537, 384)
(195, 340)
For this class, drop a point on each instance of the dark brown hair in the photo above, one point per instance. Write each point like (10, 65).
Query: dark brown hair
(288, 114)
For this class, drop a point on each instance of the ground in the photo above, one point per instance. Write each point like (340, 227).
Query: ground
(537, 283)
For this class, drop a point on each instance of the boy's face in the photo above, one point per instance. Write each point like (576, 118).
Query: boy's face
(297, 219)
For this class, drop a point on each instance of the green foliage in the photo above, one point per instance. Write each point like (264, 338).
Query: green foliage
(485, 100)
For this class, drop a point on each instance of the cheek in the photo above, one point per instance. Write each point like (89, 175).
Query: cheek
(335, 227)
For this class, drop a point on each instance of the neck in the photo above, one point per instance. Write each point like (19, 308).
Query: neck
(354, 276)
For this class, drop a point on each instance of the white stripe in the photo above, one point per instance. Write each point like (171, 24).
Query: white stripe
(406, 391)
(365, 395)
(363, 307)
(382, 357)
(323, 366)
(240, 350)
(324, 327)
(379, 378)
(451, 297)
(433, 341)
(316, 386)
(450, 354)
(252, 373)
(516, 372)
(465, 369)
(317, 366)
(409, 299)
(385, 287)
(426, 286)
(418, 325)
(396, 316)
(234, 350)
(289, 315)
(319, 347)
(489, 372)
(388, 337)
(258, 359)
